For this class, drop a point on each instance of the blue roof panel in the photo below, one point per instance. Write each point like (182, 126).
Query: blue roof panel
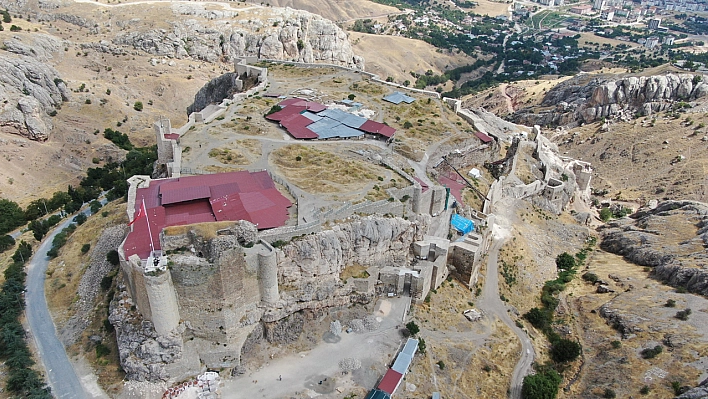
(403, 361)
(397, 97)
(411, 347)
(311, 116)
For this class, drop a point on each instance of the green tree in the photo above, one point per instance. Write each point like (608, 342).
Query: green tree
(351, 97)
(11, 216)
(407, 125)
(565, 350)
(6, 242)
(138, 106)
(542, 385)
(412, 328)
(538, 318)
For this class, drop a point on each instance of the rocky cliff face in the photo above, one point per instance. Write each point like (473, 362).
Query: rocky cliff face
(214, 92)
(671, 238)
(32, 89)
(587, 99)
(283, 34)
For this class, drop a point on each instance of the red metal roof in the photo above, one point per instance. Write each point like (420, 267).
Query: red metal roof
(172, 136)
(234, 196)
(390, 381)
(297, 126)
(285, 112)
(378, 128)
(310, 105)
(289, 101)
(485, 139)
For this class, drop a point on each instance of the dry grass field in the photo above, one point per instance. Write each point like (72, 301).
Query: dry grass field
(322, 170)
(397, 56)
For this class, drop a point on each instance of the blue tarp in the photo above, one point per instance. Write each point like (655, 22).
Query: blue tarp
(461, 224)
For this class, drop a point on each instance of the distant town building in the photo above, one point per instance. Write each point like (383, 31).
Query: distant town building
(654, 23)
(608, 14)
(598, 4)
(584, 9)
(651, 42)
(669, 40)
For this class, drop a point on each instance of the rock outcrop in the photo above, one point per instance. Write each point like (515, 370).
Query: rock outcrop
(670, 238)
(90, 284)
(291, 35)
(214, 92)
(32, 90)
(585, 98)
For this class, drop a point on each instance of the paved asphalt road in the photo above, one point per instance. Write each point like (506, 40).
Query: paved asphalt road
(491, 303)
(61, 375)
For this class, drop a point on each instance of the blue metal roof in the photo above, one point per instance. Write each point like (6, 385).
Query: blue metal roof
(436, 395)
(397, 97)
(461, 224)
(328, 131)
(411, 347)
(403, 361)
(311, 116)
(354, 121)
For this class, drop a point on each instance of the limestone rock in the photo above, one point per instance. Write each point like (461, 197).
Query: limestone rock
(591, 97)
(297, 36)
(32, 90)
(643, 239)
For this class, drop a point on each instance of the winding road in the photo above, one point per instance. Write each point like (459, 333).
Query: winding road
(492, 304)
(61, 375)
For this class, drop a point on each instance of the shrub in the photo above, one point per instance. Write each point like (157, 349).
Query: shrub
(565, 350)
(102, 350)
(670, 303)
(80, 219)
(645, 390)
(683, 314)
(676, 386)
(616, 344)
(138, 106)
(609, 394)
(412, 328)
(565, 261)
(591, 277)
(106, 282)
(441, 364)
(112, 257)
(85, 248)
(88, 101)
(650, 353)
(538, 318)
(605, 214)
(407, 125)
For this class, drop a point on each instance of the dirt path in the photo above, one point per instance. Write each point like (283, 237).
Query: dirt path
(491, 304)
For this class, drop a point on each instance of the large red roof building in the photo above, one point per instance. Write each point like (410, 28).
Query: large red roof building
(250, 196)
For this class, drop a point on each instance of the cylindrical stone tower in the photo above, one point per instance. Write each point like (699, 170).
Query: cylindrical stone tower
(268, 274)
(163, 301)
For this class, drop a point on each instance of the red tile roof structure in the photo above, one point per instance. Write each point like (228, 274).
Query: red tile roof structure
(234, 196)
(297, 126)
(378, 128)
(390, 382)
(485, 139)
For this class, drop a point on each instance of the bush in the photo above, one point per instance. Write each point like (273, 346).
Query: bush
(590, 277)
(138, 106)
(11, 216)
(565, 350)
(106, 282)
(441, 364)
(645, 390)
(616, 344)
(542, 385)
(650, 353)
(605, 214)
(102, 350)
(412, 328)
(407, 125)
(538, 318)
(85, 248)
(609, 394)
(80, 219)
(565, 261)
(670, 303)
(683, 314)
(6, 242)
(112, 257)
